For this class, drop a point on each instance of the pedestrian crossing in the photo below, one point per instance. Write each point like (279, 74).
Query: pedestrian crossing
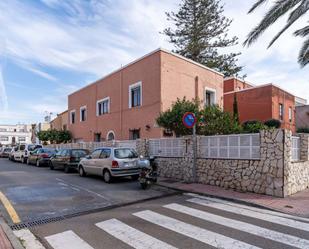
(190, 218)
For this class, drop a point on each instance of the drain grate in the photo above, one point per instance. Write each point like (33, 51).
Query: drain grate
(34, 223)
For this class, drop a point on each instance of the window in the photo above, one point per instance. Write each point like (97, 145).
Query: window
(72, 117)
(210, 96)
(105, 153)
(3, 129)
(97, 137)
(110, 136)
(290, 114)
(2, 138)
(96, 154)
(134, 134)
(103, 106)
(135, 95)
(125, 153)
(83, 113)
(281, 111)
(22, 139)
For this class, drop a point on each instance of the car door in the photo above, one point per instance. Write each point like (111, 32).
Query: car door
(33, 156)
(55, 159)
(62, 160)
(90, 166)
(104, 161)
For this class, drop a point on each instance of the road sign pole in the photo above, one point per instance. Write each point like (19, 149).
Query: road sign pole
(194, 154)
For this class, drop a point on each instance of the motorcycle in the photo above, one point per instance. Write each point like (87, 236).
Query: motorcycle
(148, 174)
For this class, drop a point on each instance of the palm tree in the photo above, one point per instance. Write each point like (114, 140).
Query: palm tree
(298, 9)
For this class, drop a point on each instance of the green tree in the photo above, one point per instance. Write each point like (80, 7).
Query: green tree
(297, 9)
(200, 31)
(235, 109)
(172, 118)
(43, 136)
(217, 122)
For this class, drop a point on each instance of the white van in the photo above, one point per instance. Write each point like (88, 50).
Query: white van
(22, 153)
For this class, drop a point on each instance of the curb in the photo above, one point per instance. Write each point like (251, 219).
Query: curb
(10, 235)
(225, 199)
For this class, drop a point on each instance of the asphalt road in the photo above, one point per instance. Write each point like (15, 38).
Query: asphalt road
(39, 193)
(180, 221)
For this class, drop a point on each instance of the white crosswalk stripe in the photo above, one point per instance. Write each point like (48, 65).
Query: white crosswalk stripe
(67, 240)
(197, 233)
(242, 226)
(252, 214)
(132, 236)
(256, 209)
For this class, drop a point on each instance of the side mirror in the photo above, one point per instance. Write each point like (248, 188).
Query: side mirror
(88, 157)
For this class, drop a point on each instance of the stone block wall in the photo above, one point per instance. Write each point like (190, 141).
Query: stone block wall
(273, 174)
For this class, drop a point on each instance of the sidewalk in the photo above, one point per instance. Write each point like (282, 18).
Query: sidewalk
(297, 204)
(4, 241)
(7, 238)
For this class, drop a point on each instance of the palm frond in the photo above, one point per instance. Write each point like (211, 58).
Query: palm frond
(294, 16)
(256, 5)
(303, 58)
(280, 8)
(302, 32)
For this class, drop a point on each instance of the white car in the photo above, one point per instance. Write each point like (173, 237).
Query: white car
(111, 163)
(23, 151)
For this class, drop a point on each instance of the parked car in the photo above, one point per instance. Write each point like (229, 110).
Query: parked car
(11, 154)
(5, 151)
(23, 151)
(111, 162)
(67, 159)
(40, 156)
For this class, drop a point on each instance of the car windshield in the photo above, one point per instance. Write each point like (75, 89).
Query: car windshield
(79, 153)
(48, 151)
(7, 149)
(125, 153)
(33, 147)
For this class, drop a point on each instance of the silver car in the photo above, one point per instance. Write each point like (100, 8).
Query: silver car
(112, 162)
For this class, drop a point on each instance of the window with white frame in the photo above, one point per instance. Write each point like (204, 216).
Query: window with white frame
(83, 114)
(103, 106)
(22, 139)
(210, 96)
(290, 114)
(72, 117)
(135, 95)
(281, 111)
(4, 138)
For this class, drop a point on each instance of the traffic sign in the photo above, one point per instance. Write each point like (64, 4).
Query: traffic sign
(189, 120)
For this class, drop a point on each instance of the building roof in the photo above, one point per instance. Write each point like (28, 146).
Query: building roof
(145, 56)
(260, 86)
(239, 79)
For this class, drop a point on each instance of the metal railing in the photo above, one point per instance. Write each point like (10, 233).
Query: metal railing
(295, 148)
(240, 146)
(167, 147)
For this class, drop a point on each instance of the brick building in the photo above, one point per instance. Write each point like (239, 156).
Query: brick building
(262, 102)
(60, 122)
(124, 104)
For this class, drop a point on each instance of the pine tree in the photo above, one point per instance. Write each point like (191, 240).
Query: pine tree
(200, 34)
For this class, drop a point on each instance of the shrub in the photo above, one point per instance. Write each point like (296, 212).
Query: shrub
(253, 126)
(273, 123)
(215, 122)
(303, 130)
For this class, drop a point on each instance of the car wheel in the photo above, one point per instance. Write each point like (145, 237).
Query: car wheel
(23, 160)
(135, 177)
(28, 161)
(51, 166)
(66, 169)
(107, 176)
(81, 171)
(37, 163)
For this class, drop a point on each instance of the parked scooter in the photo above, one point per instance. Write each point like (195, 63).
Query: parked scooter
(148, 174)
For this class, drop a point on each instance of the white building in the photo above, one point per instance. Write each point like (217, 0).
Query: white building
(15, 134)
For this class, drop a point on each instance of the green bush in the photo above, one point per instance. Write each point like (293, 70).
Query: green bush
(273, 123)
(303, 130)
(253, 126)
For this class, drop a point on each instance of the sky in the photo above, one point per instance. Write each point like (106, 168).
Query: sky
(50, 48)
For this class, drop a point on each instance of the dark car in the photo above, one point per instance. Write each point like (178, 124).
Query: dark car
(67, 159)
(40, 156)
(5, 152)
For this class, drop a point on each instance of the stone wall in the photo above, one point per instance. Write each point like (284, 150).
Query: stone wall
(273, 174)
(296, 174)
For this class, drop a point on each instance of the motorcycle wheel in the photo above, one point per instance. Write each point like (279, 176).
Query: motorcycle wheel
(144, 185)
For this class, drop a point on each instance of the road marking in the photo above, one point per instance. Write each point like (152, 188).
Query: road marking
(67, 240)
(197, 233)
(9, 208)
(262, 216)
(242, 226)
(260, 210)
(132, 236)
(28, 239)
